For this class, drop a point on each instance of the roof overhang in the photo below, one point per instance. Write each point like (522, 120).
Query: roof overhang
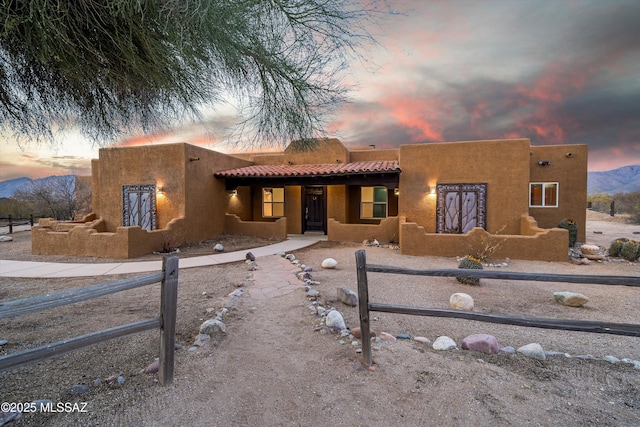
(384, 173)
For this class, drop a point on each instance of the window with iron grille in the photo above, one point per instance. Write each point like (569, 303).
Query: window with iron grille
(139, 206)
(460, 207)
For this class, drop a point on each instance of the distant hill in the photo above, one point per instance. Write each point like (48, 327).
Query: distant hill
(622, 180)
(8, 188)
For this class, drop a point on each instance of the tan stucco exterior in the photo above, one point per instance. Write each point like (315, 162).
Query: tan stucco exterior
(192, 205)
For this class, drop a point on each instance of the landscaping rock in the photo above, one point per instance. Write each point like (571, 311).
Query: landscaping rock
(213, 327)
(152, 368)
(218, 247)
(387, 336)
(423, 340)
(357, 333)
(6, 239)
(444, 343)
(533, 350)
(201, 340)
(329, 263)
(484, 343)
(335, 320)
(461, 301)
(571, 299)
(347, 296)
(250, 257)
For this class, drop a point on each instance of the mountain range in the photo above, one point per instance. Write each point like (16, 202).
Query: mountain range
(622, 180)
(9, 187)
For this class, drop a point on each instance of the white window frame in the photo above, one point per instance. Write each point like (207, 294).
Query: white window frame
(544, 186)
(272, 202)
(386, 203)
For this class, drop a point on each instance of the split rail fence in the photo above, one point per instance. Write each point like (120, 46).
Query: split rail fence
(12, 222)
(365, 306)
(166, 322)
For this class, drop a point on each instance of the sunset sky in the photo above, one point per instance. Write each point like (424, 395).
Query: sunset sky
(554, 71)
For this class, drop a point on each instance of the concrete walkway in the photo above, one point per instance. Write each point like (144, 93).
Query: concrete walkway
(10, 268)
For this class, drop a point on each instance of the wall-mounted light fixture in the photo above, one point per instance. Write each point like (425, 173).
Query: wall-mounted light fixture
(234, 193)
(396, 191)
(544, 163)
(432, 190)
(569, 155)
(160, 189)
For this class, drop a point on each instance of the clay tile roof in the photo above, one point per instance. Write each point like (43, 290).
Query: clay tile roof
(270, 171)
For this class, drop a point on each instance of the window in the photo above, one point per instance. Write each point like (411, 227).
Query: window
(273, 202)
(373, 202)
(461, 207)
(543, 195)
(139, 206)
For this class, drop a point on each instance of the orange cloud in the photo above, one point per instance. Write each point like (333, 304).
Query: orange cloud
(421, 116)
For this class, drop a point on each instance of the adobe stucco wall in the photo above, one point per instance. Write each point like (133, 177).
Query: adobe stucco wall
(385, 232)
(503, 165)
(162, 165)
(267, 230)
(569, 168)
(533, 244)
(206, 199)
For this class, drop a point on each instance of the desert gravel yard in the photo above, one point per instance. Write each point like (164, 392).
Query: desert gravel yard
(278, 365)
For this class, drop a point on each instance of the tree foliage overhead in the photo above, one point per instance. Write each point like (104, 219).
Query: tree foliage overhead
(115, 66)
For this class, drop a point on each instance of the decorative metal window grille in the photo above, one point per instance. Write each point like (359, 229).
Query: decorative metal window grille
(139, 206)
(460, 207)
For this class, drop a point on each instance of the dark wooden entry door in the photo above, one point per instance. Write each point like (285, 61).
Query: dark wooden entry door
(313, 210)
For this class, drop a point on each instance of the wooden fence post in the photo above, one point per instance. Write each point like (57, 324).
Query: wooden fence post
(168, 311)
(363, 306)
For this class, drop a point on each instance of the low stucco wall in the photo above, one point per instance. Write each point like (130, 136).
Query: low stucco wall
(533, 244)
(51, 237)
(263, 229)
(386, 231)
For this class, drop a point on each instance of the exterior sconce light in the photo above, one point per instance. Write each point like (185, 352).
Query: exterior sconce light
(396, 191)
(432, 190)
(544, 163)
(234, 193)
(569, 155)
(160, 189)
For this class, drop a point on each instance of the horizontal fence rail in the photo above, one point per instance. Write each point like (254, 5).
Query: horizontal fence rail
(12, 222)
(166, 321)
(563, 324)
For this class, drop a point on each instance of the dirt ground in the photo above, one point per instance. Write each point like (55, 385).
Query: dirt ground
(277, 366)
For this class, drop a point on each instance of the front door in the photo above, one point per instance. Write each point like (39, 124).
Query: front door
(313, 210)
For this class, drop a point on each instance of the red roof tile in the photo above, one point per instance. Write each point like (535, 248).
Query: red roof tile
(356, 168)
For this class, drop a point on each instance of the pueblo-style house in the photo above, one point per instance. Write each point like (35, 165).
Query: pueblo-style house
(439, 199)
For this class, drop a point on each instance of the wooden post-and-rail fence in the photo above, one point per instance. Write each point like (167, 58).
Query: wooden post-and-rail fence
(11, 222)
(365, 306)
(166, 322)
